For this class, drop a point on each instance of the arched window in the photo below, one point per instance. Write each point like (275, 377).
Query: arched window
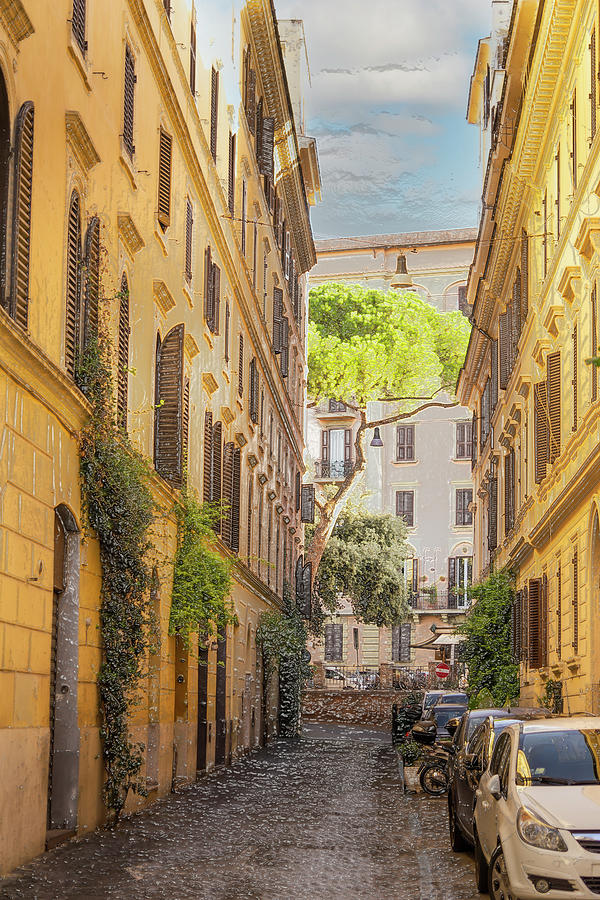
(168, 417)
(73, 284)
(21, 218)
(123, 354)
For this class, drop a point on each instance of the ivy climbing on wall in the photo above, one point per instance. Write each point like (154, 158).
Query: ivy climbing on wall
(201, 577)
(282, 638)
(119, 508)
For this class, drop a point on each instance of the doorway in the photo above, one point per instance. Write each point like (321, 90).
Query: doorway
(221, 700)
(63, 764)
(202, 706)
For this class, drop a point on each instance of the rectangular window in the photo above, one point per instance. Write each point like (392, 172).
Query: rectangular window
(231, 175)
(128, 101)
(464, 440)
(405, 443)
(214, 111)
(462, 300)
(405, 506)
(243, 226)
(193, 55)
(460, 576)
(189, 231)
(334, 643)
(464, 498)
(78, 24)
(165, 148)
(401, 635)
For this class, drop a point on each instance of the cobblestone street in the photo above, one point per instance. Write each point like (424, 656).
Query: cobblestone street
(321, 818)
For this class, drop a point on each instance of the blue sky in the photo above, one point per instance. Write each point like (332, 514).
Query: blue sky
(387, 105)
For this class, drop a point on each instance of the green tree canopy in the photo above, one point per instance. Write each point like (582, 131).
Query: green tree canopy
(487, 648)
(364, 561)
(368, 344)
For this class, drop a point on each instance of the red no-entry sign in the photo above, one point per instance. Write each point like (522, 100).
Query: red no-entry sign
(442, 670)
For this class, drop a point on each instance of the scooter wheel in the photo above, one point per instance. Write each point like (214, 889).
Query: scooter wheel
(434, 780)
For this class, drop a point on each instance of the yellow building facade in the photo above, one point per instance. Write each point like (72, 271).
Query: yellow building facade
(536, 461)
(144, 174)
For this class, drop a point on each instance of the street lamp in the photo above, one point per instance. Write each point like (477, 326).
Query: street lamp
(401, 280)
(376, 440)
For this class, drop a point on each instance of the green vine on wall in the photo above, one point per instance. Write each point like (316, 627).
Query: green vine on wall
(201, 577)
(282, 638)
(118, 503)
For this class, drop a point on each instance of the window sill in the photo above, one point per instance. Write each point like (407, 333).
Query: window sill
(461, 459)
(160, 237)
(462, 528)
(81, 63)
(128, 164)
(187, 293)
(405, 462)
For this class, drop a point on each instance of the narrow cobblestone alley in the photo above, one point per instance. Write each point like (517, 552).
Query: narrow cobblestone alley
(320, 818)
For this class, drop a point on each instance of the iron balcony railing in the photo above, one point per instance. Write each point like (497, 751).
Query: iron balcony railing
(333, 470)
(441, 600)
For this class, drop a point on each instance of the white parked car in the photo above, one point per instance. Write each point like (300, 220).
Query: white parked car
(537, 813)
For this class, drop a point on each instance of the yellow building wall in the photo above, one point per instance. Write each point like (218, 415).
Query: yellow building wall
(42, 411)
(549, 190)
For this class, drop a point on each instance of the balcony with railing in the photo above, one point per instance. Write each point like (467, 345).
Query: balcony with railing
(440, 601)
(333, 470)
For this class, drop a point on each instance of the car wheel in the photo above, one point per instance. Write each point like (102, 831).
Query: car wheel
(481, 867)
(457, 839)
(498, 883)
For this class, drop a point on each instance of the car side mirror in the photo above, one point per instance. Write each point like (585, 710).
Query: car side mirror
(452, 725)
(495, 788)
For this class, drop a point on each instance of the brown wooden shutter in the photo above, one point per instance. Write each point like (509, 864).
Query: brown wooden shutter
(334, 642)
(545, 231)
(524, 624)
(243, 224)
(492, 513)
(297, 486)
(167, 6)
(208, 457)
(594, 342)
(21, 222)
(251, 100)
(540, 429)
(267, 146)
(593, 83)
(415, 575)
(123, 354)
(534, 623)
(209, 298)
(231, 185)
(515, 318)
(241, 366)
(559, 611)
(73, 299)
(544, 622)
(451, 573)
(164, 178)
(574, 139)
(557, 201)
(515, 628)
(214, 111)
(185, 424)
(128, 101)
(395, 643)
(226, 338)
(216, 465)
(324, 445)
(193, 55)
(226, 518)
(189, 231)
(347, 445)
(575, 603)
(405, 639)
(575, 416)
(168, 445)
(307, 504)
(524, 276)
(554, 391)
(284, 359)
(503, 337)
(254, 391)
(216, 293)
(235, 500)
(92, 283)
(474, 441)
(494, 376)
(78, 24)
(277, 319)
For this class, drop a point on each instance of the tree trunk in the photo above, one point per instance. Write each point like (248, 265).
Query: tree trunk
(329, 511)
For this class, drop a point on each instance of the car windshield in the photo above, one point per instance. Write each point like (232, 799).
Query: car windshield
(559, 757)
(430, 699)
(452, 698)
(473, 722)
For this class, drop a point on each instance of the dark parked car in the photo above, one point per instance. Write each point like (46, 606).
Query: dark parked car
(470, 754)
(451, 697)
(432, 725)
(432, 697)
